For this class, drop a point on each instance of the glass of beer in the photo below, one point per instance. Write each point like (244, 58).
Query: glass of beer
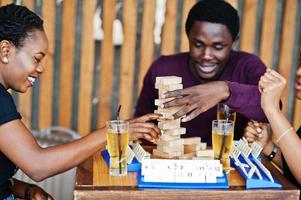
(117, 139)
(222, 141)
(225, 112)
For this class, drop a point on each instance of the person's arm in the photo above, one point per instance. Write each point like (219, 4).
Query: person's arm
(241, 95)
(24, 190)
(260, 133)
(18, 144)
(271, 86)
(287, 140)
(245, 99)
(244, 95)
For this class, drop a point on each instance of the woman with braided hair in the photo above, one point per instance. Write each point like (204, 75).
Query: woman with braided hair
(23, 45)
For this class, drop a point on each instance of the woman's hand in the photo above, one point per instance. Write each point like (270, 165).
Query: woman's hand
(37, 193)
(257, 132)
(271, 86)
(141, 128)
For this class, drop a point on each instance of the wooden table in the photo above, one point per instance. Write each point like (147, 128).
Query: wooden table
(93, 182)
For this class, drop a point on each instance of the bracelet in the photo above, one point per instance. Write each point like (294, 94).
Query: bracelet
(273, 153)
(28, 192)
(283, 134)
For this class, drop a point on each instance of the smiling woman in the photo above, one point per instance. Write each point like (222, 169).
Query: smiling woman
(24, 60)
(23, 45)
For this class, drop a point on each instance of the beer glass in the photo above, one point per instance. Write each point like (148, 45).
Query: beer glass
(222, 141)
(117, 139)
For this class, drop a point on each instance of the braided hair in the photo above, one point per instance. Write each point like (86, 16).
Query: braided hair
(214, 11)
(16, 22)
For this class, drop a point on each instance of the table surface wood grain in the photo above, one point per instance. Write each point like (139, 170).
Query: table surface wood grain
(94, 182)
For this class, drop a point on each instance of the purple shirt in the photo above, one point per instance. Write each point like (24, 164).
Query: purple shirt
(242, 72)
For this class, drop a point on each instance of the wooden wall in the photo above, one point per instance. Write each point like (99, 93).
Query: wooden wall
(85, 80)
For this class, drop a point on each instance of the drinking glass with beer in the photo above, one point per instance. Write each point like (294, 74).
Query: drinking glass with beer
(224, 112)
(222, 141)
(117, 139)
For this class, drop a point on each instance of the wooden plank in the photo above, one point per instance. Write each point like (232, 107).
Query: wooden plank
(103, 178)
(187, 5)
(106, 63)
(128, 58)
(268, 32)
(169, 28)
(28, 3)
(86, 68)
(248, 25)
(287, 44)
(297, 115)
(67, 62)
(24, 105)
(46, 93)
(147, 39)
(233, 3)
(4, 2)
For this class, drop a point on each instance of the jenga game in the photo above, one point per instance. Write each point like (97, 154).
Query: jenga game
(171, 145)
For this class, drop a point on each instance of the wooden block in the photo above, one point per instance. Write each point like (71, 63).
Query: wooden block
(172, 110)
(158, 153)
(171, 142)
(165, 115)
(205, 153)
(168, 87)
(188, 148)
(203, 158)
(192, 140)
(159, 102)
(164, 148)
(203, 145)
(176, 131)
(166, 80)
(187, 156)
(167, 137)
(169, 124)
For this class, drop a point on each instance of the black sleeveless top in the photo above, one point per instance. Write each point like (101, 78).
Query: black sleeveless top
(8, 112)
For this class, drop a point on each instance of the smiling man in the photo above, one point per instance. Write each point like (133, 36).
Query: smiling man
(212, 72)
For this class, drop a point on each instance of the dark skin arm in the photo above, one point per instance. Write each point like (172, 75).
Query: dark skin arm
(39, 163)
(197, 99)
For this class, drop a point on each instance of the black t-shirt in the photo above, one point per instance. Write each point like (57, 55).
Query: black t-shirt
(287, 172)
(8, 112)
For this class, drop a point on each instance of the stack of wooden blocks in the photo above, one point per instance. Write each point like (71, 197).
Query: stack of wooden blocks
(171, 145)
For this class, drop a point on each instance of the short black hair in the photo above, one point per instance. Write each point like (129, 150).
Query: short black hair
(16, 22)
(214, 11)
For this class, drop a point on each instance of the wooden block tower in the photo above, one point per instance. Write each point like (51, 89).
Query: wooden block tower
(170, 145)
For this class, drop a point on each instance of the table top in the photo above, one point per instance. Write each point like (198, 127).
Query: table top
(94, 182)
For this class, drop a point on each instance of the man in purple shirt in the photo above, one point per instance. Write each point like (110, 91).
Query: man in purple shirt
(211, 73)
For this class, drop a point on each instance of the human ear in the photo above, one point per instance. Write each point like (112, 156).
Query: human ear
(4, 51)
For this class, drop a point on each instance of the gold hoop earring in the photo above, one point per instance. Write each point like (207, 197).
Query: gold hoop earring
(5, 60)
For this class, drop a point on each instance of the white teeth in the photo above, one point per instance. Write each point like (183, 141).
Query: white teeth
(31, 79)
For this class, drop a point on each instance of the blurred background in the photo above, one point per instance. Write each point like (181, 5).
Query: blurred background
(100, 50)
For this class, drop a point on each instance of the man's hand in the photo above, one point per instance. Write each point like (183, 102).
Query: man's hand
(197, 99)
